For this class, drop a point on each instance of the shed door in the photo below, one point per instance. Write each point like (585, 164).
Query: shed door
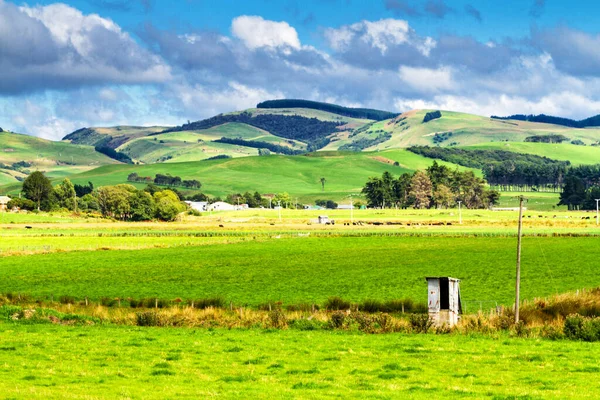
(433, 287)
(444, 294)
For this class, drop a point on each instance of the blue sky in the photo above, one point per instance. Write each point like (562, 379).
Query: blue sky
(105, 62)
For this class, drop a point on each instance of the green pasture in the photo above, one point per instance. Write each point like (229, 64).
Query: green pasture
(577, 155)
(102, 362)
(345, 173)
(311, 269)
(16, 147)
(467, 129)
(198, 145)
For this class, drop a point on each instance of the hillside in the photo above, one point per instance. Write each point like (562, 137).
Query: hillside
(295, 126)
(453, 128)
(345, 173)
(56, 159)
(112, 137)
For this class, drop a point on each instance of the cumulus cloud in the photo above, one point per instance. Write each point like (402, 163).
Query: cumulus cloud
(57, 46)
(426, 79)
(84, 70)
(573, 51)
(257, 32)
(381, 35)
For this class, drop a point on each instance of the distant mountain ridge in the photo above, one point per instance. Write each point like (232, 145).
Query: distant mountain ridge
(549, 119)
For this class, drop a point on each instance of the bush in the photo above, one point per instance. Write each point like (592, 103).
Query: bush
(371, 306)
(337, 319)
(578, 327)
(305, 324)
(420, 323)
(336, 303)
(147, 318)
(215, 302)
(277, 319)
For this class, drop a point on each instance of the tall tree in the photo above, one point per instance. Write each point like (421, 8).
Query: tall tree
(420, 189)
(66, 195)
(37, 188)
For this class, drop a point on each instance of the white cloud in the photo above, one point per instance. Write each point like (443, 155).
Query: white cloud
(257, 32)
(381, 35)
(199, 101)
(426, 79)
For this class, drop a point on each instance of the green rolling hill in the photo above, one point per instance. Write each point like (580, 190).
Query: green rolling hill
(345, 173)
(56, 159)
(345, 145)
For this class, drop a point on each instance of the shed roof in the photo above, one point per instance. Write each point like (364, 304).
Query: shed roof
(4, 199)
(440, 277)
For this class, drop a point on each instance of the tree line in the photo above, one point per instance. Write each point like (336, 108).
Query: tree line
(581, 187)
(365, 113)
(504, 170)
(549, 119)
(436, 187)
(165, 180)
(312, 131)
(123, 202)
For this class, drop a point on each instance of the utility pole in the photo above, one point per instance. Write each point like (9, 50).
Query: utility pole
(597, 216)
(459, 212)
(518, 280)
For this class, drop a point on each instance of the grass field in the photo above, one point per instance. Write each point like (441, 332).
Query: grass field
(312, 269)
(346, 173)
(255, 258)
(198, 145)
(47, 361)
(467, 129)
(56, 159)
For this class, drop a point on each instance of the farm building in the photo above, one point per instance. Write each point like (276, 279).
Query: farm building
(444, 301)
(221, 206)
(3, 202)
(344, 207)
(198, 205)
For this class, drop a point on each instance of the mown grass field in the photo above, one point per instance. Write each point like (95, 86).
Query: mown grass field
(48, 361)
(305, 269)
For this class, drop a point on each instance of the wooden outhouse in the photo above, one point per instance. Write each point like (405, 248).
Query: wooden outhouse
(444, 300)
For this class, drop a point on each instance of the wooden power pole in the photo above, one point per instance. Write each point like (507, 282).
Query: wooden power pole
(518, 280)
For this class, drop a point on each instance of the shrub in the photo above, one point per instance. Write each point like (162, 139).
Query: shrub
(337, 319)
(371, 306)
(420, 323)
(336, 303)
(147, 318)
(215, 302)
(578, 327)
(305, 324)
(277, 319)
